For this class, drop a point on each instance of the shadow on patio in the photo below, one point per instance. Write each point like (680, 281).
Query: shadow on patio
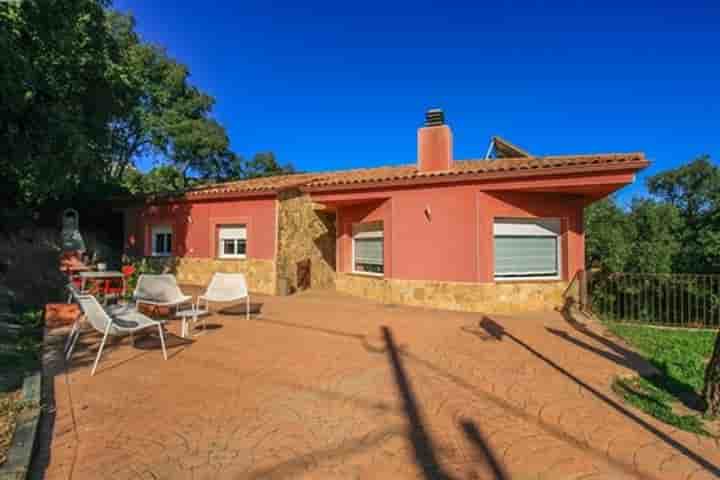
(498, 333)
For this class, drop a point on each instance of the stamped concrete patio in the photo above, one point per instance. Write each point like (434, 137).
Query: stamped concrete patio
(324, 386)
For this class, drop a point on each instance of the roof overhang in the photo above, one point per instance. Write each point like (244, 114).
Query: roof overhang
(585, 180)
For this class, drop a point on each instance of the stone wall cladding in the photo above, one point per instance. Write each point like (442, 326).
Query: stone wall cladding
(497, 298)
(260, 274)
(305, 235)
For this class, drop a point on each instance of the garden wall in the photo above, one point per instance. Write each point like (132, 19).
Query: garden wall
(499, 298)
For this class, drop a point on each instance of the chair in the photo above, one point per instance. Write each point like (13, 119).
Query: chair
(159, 291)
(120, 321)
(73, 294)
(226, 287)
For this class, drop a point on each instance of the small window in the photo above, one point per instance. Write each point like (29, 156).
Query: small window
(232, 241)
(527, 248)
(161, 241)
(368, 248)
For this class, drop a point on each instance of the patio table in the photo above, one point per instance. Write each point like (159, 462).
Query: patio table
(191, 315)
(105, 276)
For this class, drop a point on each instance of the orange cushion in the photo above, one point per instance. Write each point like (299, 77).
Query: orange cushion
(61, 314)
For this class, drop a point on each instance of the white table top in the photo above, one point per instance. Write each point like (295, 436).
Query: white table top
(105, 274)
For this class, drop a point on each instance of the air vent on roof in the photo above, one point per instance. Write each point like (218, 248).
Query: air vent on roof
(434, 117)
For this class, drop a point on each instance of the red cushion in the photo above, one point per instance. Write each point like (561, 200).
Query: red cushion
(61, 314)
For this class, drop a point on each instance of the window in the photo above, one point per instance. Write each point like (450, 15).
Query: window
(368, 248)
(527, 248)
(232, 241)
(161, 241)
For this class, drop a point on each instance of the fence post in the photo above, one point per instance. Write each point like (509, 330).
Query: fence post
(583, 291)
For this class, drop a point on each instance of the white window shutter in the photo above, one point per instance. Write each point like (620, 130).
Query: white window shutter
(527, 248)
(233, 232)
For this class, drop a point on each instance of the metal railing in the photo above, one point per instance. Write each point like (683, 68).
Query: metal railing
(686, 300)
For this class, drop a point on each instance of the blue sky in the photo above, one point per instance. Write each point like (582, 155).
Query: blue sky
(334, 85)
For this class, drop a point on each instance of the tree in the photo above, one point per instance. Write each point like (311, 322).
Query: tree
(159, 180)
(608, 235)
(57, 97)
(265, 165)
(166, 115)
(711, 389)
(654, 243)
(82, 98)
(694, 189)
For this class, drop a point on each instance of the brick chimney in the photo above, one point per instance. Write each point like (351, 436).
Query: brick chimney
(434, 143)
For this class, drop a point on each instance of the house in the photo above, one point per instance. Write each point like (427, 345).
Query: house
(492, 235)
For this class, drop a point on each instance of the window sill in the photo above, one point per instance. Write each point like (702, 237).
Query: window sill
(232, 258)
(529, 280)
(161, 255)
(378, 276)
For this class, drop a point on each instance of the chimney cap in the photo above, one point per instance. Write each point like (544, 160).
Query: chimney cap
(434, 117)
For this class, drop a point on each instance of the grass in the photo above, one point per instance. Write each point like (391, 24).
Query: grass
(680, 356)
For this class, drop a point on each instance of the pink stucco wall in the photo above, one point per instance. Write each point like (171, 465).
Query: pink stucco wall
(432, 232)
(569, 208)
(195, 226)
(445, 233)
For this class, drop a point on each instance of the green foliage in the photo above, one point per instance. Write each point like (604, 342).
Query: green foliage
(680, 357)
(159, 180)
(694, 189)
(654, 243)
(166, 116)
(20, 350)
(675, 231)
(57, 82)
(265, 165)
(84, 97)
(643, 395)
(143, 265)
(609, 235)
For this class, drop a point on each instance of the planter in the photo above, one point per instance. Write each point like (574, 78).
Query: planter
(18, 459)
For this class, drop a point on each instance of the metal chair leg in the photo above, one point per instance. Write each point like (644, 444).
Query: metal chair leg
(73, 341)
(162, 341)
(102, 345)
(70, 337)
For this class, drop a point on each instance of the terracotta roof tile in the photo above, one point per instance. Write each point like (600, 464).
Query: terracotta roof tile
(409, 173)
(262, 184)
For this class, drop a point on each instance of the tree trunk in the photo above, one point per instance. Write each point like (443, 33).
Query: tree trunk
(711, 392)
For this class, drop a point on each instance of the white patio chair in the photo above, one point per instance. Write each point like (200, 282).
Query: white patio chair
(226, 287)
(124, 320)
(159, 291)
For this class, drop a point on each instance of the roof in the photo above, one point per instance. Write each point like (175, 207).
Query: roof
(261, 184)
(409, 174)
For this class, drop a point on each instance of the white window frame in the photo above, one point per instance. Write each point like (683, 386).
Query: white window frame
(367, 231)
(156, 230)
(232, 236)
(523, 227)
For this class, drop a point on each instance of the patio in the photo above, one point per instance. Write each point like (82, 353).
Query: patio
(320, 385)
